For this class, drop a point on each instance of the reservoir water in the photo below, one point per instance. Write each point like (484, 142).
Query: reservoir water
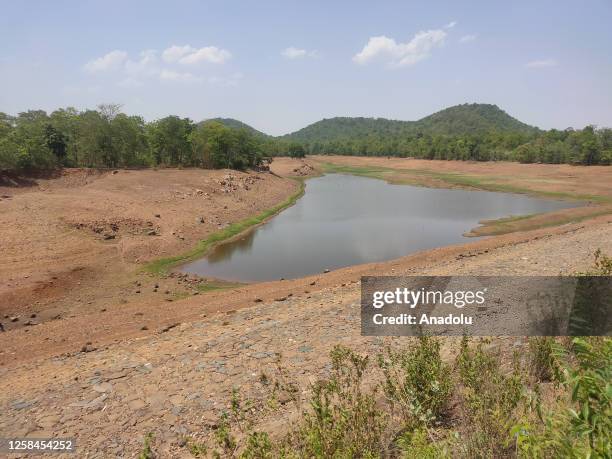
(344, 220)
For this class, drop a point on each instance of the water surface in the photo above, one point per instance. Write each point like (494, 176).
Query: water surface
(344, 220)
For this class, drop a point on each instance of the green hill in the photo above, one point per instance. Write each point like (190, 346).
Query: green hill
(235, 124)
(472, 118)
(458, 120)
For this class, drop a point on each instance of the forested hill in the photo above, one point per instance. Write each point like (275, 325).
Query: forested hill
(106, 137)
(236, 124)
(466, 119)
(471, 118)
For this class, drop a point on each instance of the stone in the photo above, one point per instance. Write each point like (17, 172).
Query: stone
(103, 387)
(136, 404)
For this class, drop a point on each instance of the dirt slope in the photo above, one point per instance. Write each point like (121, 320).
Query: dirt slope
(175, 382)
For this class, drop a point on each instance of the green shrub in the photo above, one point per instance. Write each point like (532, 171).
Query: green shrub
(490, 399)
(147, 450)
(343, 420)
(581, 424)
(543, 364)
(418, 381)
(416, 444)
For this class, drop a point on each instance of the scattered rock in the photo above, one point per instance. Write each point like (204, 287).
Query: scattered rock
(108, 237)
(258, 300)
(157, 216)
(14, 319)
(325, 271)
(169, 327)
(88, 348)
(152, 233)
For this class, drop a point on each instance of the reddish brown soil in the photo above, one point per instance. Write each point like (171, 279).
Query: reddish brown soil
(68, 285)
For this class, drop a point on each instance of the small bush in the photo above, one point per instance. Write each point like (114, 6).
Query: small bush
(343, 420)
(581, 424)
(490, 399)
(416, 444)
(418, 381)
(543, 363)
(147, 450)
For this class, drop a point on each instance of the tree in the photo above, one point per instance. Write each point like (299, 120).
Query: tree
(56, 142)
(169, 140)
(296, 151)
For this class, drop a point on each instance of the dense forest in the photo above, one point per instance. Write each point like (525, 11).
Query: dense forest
(106, 137)
(478, 132)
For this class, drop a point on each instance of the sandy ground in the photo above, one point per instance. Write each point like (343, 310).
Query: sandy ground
(73, 245)
(112, 359)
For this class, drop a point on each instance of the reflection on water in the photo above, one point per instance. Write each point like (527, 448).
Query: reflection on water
(344, 220)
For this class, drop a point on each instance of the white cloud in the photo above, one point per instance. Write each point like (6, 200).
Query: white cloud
(450, 25)
(174, 53)
(210, 54)
(109, 61)
(401, 54)
(132, 73)
(145, 66)
(468, 38)
(189, 55)
(542, 63)
(171, 75)
(297, 53)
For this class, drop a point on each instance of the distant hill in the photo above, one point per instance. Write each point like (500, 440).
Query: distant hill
(457, 120)
(471, 118)
(452, 121)
(235, 124)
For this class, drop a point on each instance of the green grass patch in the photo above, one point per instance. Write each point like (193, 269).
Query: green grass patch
(505, 225)
(209, 286)
(163, 265)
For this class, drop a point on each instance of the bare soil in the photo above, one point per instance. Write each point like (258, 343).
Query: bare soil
(114, 353)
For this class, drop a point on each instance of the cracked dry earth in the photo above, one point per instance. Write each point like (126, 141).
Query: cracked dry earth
(175, 383)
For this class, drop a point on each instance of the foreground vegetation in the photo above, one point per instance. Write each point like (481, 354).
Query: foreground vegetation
(554, 401)
(551, 399)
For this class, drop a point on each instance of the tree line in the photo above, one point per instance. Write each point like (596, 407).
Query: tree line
(106, 137)
(109, 138)
(588, 146)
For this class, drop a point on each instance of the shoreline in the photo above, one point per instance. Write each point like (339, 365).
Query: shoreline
(129, 303)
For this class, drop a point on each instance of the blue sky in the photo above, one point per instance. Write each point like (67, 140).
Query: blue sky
(280, 65)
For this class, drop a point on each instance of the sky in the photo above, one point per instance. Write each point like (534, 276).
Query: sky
(281, 65)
